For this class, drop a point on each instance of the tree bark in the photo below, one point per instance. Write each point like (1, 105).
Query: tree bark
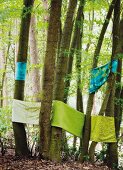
(21, 148)
(117, 107)
(79, 60)
(34, 61)
(90, 29)
(108, 103)
(61, 70)
(4, 81)
(3, 72)
(112, 147)
(71, 53)
(91, 96)
(49, 68)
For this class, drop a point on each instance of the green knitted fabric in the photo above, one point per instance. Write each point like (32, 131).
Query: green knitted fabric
(67, 118)
(102, 129)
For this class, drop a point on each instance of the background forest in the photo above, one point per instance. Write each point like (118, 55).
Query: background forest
(61, 41)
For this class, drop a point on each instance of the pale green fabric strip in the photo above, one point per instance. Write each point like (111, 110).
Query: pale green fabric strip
(64, 116)
(26, 112)
(67, 118)
(102, 129)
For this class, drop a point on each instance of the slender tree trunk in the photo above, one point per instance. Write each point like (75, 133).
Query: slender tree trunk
(3, 67)
(21, 148)
(2, 77)
(109, 97)
(44, 34)
(112, 148)
(49, 68)
(121, 108)
(61, 70)
(79, 60)
(34, 61)
(16, 32)
(91, 96)
(102, 111)
(117, 108)
(71, 54)
(4, 82)
(90, 29)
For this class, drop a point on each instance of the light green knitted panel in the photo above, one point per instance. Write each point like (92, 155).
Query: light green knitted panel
(102, 129)
(67, 118)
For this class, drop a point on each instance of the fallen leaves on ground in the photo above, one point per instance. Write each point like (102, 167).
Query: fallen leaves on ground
(10, 162)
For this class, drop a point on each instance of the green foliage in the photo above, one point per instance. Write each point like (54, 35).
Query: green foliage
(69, 152)
(33, 139)
(10, 9)
(96, 4)
(5, 121)
(102, 154)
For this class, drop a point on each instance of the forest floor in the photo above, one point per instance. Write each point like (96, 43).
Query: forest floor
(9, 161)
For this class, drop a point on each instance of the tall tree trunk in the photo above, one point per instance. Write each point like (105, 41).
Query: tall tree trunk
(21, 148)
(3, 67)
(5, 91)
(61, 70)
(109, 97)
(90, 29)
(49, 68)
(112, 147)
(71, 54)
(45, 5)
(117, 108)
(102, 111)
(34, 60)
(78, 60)
(91, 96)
(3, 72)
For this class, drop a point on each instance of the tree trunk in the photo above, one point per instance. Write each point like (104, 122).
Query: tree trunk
(112, 147)
(61, 70)
(91, 96)
(49, 68)
(34, 61)
(78, 60)
(102, 111)
(112, 153)
(109, 97)
(4, 53)
(21, 148)
(4, 82)
(71, 54)
(3, 72)
(117, 107)
(90, 29)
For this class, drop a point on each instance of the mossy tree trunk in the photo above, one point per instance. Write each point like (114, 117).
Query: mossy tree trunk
(79, 26)
(61, 70)
(91, 96)
(113, 147)
(21, 148)
(102, 111)
(108, 103)
(72, 52)
(48, 77)
(75, 46)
